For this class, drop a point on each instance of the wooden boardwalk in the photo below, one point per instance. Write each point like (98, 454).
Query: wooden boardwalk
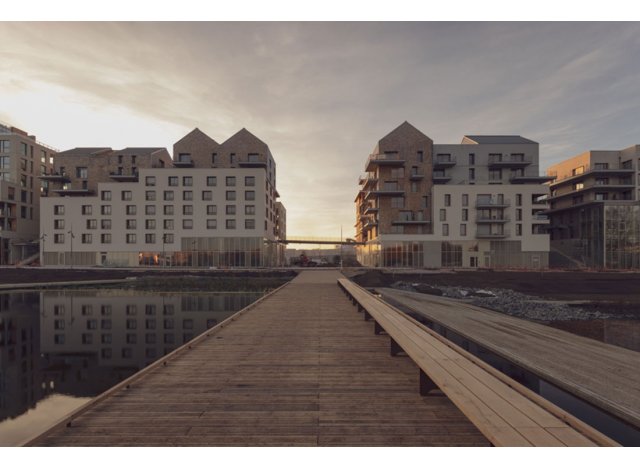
(300, 368)
(607, 376)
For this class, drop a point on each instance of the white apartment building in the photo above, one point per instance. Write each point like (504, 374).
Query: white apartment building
(22, 160)
(220, 211)
(478, 204)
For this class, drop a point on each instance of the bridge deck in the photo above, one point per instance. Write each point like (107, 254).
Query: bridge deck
(300, 368)
(607, 376)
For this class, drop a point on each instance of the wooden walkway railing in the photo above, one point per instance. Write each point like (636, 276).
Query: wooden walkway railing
(506, 412)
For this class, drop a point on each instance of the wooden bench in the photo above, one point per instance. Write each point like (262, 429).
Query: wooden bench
(506, 412)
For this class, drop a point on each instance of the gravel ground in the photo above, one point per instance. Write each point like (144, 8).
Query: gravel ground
(507, 301)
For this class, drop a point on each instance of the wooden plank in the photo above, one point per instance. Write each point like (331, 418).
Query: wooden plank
(527, 417)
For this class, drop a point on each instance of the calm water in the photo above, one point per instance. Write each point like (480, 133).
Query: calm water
(60, 348)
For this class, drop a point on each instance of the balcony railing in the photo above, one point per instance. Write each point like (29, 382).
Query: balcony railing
(383, 159)
(444, 161)
(492, 202)
(493, 219)
(508, 161)
(590, 170)
(492, 234)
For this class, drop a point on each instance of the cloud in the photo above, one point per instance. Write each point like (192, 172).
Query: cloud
(322, 94)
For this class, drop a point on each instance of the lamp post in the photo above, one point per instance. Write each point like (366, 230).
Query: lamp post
(42, 238)
(70, 232)
(164, 240)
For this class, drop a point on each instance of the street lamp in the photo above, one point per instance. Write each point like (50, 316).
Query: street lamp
(164, 240)
(70, 232)
(42, 238)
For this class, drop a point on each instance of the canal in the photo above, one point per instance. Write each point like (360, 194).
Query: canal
(60, 348)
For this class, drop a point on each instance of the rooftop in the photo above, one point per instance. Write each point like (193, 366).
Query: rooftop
(496, 139)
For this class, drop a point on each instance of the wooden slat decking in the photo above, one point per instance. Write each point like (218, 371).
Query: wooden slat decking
(607, 376)
(300, 368)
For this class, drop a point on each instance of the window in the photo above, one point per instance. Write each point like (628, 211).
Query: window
(106, 195)
(187, 210)
(518, 214)
(397, 172)
(472, 159)
(81, 172)
(212, 224)
(150, 210)
(131, 210)
(424, 202)
(230, 210)
(465, 200)
(168, 195)
(86, 210)
(463, 230)
(131, 224)
(207, 195)
(105, 210)
(249, 224)
(150, 181)
(173, 181)
(131, 238)
(58, 238)
(105, 238)
(87, 238)
(447, 200)
(187, 195)
(213, 158)
(249, 210)
(5, 146)
(249, 180)
(250, 195)
(231, 195)
(599, 166)
(232, 158)
(212, 210)
(472, 173)
(187, 224)
(150, 238)
(168, 224)
(105, 224)
(92, 224)
(231, 180)
(397, 202)
(150, 224)
(150, 195)
(58, 224)
(126, 195)
(420, 156)
(445, 230)
(465, 214)
(518, 230)
(211, 181)
(187, 181)
(168, 210)
(518, 199)
(231, 224)
(443, 214)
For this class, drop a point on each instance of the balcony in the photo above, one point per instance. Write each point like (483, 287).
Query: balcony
(540, 219)
(590, 171)
(387, 190)
(441, 177)
(56, 177)
(253, 161)
(371, 210)
(73, 192)
(443, 161)
(132, 177)
(410, 222)
(183, 161)
(370, 224)
(492, 202)
(531, 179)
(367, 180)
(595, 187)
(492, 234)
(416, 176)
(389, 159)
(508, 161)
(494, 219)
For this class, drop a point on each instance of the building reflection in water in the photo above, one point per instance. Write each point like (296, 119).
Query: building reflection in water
(79, 343)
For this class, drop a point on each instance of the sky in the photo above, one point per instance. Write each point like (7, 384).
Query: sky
(322, 94)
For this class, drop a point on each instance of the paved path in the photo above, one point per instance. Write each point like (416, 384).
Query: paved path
(300, 368)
